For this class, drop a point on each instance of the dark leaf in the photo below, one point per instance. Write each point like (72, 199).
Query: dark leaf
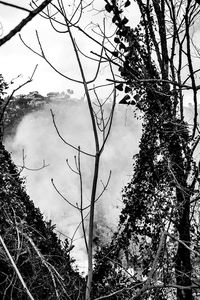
(115, 54)
(127, 49)
(137, 97)
(122, 46)
(124, 21)
(116, 40)
(122, 71)
(119, 87)
(119, 24)
(108, 7)
(132, 102)
(128, 2)
(124, 99)
(118, 32)
(127, 89)
(115, 18)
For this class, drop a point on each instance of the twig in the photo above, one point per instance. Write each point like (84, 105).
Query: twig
(48, 266)
(15, 90)
(181, 242)
(31, 15)
(104, 186)
(60, 136)
(70, 167)
(185, 86)
(155, 262)
(15, 268)
(110, 120)
(15, 6)
(31, 169)
(42, 55)
(70, 203)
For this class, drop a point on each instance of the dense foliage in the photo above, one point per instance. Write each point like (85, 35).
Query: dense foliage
(157, 228)
(26, 235)
(16, 109)
(40, 257)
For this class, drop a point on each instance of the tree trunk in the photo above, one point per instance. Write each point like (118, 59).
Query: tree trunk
(91, 228)
(183, 266)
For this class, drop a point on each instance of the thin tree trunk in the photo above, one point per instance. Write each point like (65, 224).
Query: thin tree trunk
(183, 261)
(91, 229)
(183, 267)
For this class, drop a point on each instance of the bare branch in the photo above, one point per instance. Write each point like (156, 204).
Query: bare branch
(16, 269)
(18, 28)
(70, 167)
(182, 242)
(183, 86)
(70, 203)
(14, 91)
(76, 148)
(15, 6)
(104, 186)
(30, 169)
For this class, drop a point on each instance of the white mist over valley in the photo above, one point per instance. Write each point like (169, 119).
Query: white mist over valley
(37, 137)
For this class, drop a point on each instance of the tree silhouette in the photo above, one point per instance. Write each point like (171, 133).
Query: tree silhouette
(158, 229)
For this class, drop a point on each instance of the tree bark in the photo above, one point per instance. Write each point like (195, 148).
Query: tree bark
(183, 265)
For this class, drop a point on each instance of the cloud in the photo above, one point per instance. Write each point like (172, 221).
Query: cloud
(37, 136)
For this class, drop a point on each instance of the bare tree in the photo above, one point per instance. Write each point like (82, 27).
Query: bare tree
(32, 14)
(68, 22)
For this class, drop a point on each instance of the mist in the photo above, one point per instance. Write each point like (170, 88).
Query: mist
(37, 137)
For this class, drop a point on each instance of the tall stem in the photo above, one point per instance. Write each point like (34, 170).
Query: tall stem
(95, 176)
(91, 228)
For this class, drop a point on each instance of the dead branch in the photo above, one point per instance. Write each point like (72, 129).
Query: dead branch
(25, 21)
(16, 269)
(15, 6)
(14, 91)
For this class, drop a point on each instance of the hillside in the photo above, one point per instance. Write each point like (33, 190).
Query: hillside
(43, 262)
(21, 105)
(35, 264)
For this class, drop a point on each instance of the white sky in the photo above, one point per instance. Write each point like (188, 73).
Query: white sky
(16, 59)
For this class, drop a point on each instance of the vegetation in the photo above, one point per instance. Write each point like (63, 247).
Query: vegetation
(21, 105)
(38, 255)
(16, 110)
(154, 254)
(159, 226)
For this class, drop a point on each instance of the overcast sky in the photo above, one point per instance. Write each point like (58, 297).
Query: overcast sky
(16, 59)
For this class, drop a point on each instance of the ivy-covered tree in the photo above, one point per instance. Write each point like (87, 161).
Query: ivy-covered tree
(158, 227)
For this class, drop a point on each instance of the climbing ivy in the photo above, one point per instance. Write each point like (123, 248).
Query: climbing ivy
(157, 200)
